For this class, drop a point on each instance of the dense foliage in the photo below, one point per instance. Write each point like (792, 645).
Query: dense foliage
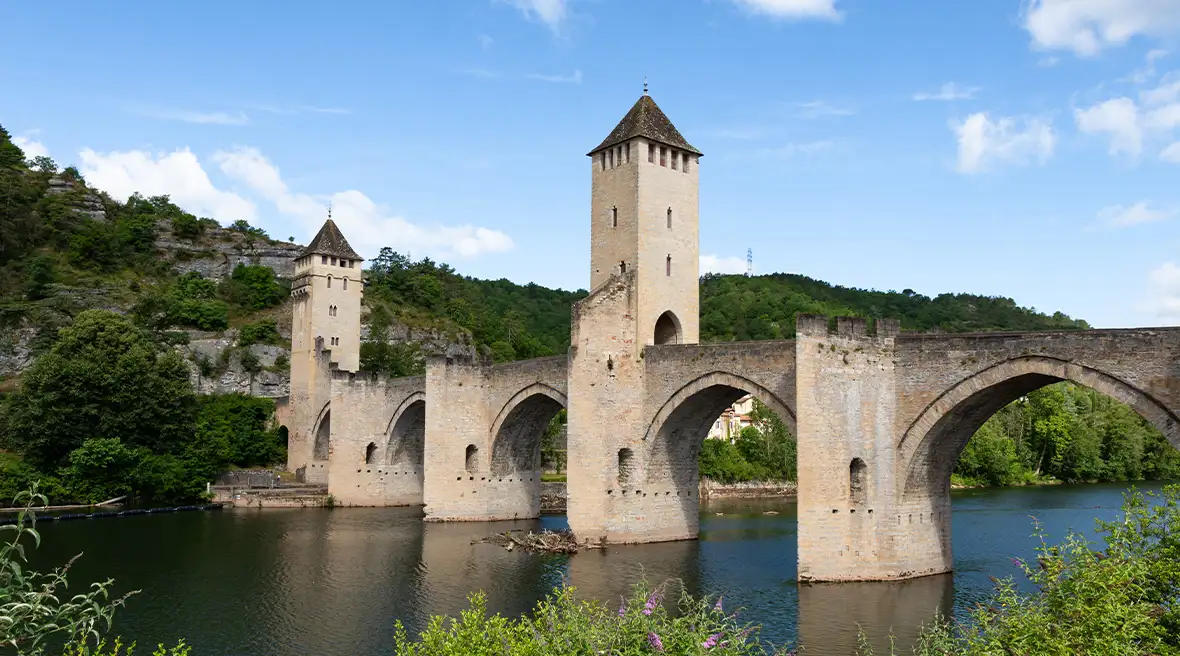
(762, 451)
(735, 308)
(109, 412)
(1068, 433)
(562, 625)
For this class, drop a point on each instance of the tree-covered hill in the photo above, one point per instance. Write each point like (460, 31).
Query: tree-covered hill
(512, 321)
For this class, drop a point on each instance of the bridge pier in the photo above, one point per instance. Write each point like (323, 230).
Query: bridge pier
(846, 396)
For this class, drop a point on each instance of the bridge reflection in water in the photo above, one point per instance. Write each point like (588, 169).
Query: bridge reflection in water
(831, 613)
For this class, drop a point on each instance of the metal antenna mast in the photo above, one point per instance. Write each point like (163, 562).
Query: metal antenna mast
(749, 262)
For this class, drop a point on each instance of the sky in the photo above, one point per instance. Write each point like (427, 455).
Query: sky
(1019, 148)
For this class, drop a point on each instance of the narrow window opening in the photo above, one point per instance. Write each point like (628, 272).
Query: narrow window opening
(622, 267)
(352, 264)
(685, 162)
(626, 467)
(370, 451)
(604, 160)
(669, 218)
(323, 259)
(333, 261)
(329, 282)
(614, 217)
(612, 158)
(675, 159)
(663, 156)
(668, 266)
(346, 283)
(627, 152)
(651, 153)
(472, 458)
(857, 481)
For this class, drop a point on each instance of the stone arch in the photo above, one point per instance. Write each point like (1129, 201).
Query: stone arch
(674, 436)
(667, 328)
(322, 434)
(406, 433)
(930, 447)
(517, 430)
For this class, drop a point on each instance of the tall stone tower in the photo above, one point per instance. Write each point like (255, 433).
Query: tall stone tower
(644, 219)
(327, 294)
(325, 330)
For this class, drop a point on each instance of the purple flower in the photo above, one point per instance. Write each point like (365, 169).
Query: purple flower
(717, 606)
(711, 641)
(653, 600)
(1017, 562)
(655, 642)
(622, 607)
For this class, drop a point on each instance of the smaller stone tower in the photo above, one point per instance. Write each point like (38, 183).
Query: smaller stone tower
(644, 220)
(327, 294)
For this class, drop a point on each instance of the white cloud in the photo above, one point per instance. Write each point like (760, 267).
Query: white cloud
(1163, 292)
(1118, 216)
(193, 116)
(32, 148)
(947, 92)
(573, 78)
(1086, 27)
(1171, 153)
(983, 143)
(368, 225)
(819, 108)
(792, 9)
(550, 12)
(716, 264)
(1118, 118)
(177, 174)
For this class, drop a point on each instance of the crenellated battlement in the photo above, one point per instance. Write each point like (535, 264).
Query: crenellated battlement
(818, 325)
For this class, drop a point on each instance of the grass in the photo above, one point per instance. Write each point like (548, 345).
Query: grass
(552, 478)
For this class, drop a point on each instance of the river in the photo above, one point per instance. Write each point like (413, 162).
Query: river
(332, 582)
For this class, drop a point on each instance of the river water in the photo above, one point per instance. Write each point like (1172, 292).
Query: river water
(332, 582)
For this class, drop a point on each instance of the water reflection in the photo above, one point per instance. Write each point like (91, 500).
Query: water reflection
(276, 582)
(831, 615)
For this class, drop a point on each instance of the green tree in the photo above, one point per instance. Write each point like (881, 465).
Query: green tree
(103, 378)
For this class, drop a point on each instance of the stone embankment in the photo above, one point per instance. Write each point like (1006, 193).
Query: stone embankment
(553, 495)
(752, 490)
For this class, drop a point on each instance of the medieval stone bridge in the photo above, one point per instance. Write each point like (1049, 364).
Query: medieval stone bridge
(880, 419)
(880, 416)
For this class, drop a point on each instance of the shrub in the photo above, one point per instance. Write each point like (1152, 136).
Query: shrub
(260, 332)
(561, 624)
(253, 287)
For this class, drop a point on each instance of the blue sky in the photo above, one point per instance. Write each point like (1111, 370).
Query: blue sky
(1020, 148)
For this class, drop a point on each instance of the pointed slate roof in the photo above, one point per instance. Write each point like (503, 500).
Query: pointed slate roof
(646, 119)
(329, 241)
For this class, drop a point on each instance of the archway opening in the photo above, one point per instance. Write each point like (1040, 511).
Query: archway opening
(667, 330)
(323, 434)
(681, 448)
(407, 438)
(370, 453)
(516, 447)
(284, 436)
(1029, 420)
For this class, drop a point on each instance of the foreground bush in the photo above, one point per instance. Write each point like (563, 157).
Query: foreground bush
(564, 626)
(1121, 600)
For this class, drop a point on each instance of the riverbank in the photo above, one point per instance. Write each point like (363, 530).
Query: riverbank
(553, 494)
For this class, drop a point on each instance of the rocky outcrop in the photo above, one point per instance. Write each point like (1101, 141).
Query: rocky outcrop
(215, 253)
(16, 352)
(84, 201)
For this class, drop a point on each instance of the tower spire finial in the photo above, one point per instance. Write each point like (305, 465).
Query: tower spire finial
(329, 210)
(645, 85)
